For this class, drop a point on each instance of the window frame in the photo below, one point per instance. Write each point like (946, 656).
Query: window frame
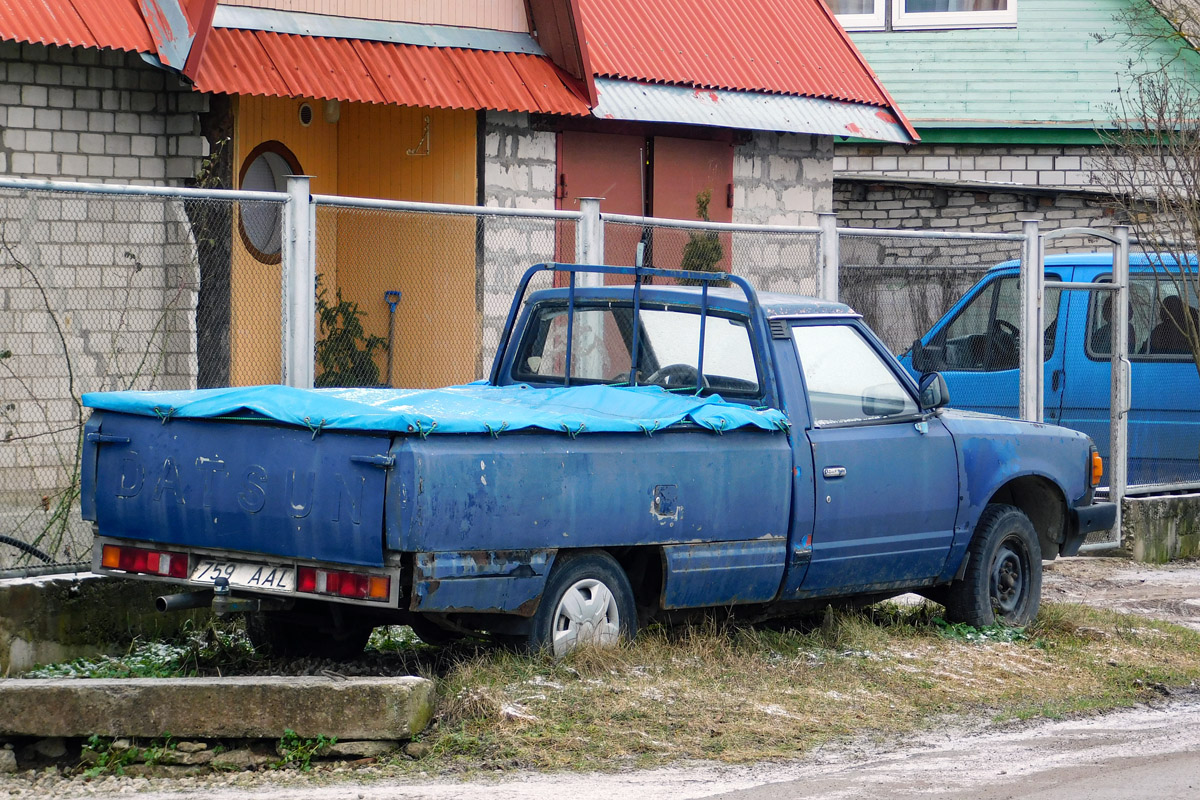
(886, 358)
(992, 285)
(875, 21)
(1096, 299)
(280, 150)
(942, 20)
(532, 324)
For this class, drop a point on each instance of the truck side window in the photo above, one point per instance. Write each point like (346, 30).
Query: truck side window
(847, 380)
(986, 334)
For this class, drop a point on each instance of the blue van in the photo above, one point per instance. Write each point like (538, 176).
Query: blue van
(976, 348)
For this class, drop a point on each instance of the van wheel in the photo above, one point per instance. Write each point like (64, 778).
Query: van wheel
(588, 601)
(1002, 584)
(290, 635)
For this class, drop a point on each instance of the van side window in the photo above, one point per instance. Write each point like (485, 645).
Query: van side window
(1156, 321)
(847, 380)
(986, 334)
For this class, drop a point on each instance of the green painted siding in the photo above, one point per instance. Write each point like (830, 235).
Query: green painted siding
(1050, 69)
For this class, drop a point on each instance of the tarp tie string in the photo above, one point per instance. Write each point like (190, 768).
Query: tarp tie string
(495, 432)
(573, 433)
(164, 415)
(316, 429)
(649, 431)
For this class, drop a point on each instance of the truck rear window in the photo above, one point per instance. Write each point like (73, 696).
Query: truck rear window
(602, 341)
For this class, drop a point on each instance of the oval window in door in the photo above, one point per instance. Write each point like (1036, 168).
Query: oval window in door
(260, 222)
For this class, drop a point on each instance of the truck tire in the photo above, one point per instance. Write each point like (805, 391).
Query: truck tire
(1002, 584)
(588, 601)
(287, 635)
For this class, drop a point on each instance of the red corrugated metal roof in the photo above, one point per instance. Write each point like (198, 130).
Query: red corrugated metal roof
(792, 47)
(76, 23)
(286, 65)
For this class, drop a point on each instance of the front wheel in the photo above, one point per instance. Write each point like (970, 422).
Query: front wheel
(1002, 584)
(588, 601)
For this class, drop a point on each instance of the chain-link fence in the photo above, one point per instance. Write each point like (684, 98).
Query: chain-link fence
(103, 292)
(115, 289)
(784, 260)
(418, 298)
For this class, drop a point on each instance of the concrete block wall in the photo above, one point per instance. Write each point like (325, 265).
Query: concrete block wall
(518, 171)
(95, 292)
(1040, 165)
(780, 179)
(95, 115)
(861, 204)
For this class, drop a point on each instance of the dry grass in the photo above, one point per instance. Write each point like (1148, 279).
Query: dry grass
(738, 694)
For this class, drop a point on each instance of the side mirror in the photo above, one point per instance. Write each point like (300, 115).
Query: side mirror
(934, 393)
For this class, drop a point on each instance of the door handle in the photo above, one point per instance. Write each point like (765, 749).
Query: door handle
(834, 472)
(1055, 379)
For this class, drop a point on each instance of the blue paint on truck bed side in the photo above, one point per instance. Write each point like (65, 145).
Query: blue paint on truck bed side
(531, 491)
(237, 486)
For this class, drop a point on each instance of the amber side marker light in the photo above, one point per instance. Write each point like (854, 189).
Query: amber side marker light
(1097, 468)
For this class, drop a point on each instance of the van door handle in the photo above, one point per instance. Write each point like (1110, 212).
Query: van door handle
(834, 472)
(1055, 379)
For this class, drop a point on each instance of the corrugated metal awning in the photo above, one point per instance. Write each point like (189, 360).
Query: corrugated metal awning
(793, 47)
(117, 24)
(649, 102)
(285, 65)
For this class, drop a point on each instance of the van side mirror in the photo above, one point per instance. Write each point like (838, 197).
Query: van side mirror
(934, 393)
(924, 359)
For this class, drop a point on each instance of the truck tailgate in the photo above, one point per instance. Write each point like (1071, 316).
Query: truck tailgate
(239, 486)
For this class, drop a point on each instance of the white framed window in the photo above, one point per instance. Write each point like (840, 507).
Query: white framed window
(918, 14)
(859, 15)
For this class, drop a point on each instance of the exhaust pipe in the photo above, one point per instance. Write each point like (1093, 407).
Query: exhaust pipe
(180, 602)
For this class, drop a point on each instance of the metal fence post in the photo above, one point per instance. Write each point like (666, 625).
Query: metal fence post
(1032, 345)
(589, 240)
(1118, 450)
(299, 284)
(827, 288)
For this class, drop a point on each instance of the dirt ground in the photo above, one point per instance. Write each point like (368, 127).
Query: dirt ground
(1169, 592)
(1155, 748)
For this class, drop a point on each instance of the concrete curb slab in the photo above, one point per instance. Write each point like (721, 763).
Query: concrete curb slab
(216, 708)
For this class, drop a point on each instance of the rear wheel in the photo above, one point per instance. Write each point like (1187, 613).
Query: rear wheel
(1003, 580)
(588, 602)
(290, 634)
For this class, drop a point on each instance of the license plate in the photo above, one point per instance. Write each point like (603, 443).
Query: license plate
(262, 577)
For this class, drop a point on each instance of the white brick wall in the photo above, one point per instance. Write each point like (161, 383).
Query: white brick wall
(95, 115)
(95, 293)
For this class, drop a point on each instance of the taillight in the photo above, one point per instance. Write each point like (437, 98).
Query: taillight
(149, 562)
(356, 585)
(1097, 468)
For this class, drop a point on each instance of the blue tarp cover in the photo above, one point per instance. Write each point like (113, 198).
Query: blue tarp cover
(476, 408)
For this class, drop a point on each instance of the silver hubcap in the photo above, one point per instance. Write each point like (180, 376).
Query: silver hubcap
(586, 614)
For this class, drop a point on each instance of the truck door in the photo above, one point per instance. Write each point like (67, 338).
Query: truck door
(886, 477)
(977, 347)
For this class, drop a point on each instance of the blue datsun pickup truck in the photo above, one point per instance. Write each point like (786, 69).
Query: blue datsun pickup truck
(975, 348)
(638, 450)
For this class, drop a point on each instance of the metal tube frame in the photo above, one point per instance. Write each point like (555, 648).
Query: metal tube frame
(1033, 348)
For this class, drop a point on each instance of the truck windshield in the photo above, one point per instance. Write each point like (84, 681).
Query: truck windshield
(669, 344)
